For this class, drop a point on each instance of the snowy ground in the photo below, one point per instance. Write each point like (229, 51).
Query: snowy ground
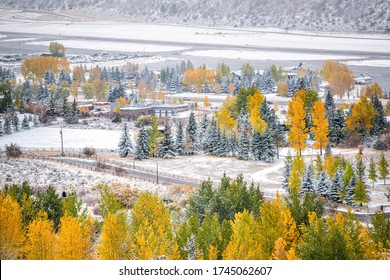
(111, 46)
(41, 174)
(49, 137)
(213, 36)
(266, 55)
(371, 63)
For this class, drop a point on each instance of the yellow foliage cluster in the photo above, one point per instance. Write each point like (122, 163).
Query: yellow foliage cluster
(339, 77)
(35, 68)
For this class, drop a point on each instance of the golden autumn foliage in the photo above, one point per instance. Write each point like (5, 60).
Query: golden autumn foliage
(100, 89)
(40, 239)
(373, 90)
(206, 102)
(35, 68)
(150, 228)
(225, 119)
(339, 77)
(282, 88)
(320, 126)
(73, 240)
(122, 101)
(114, 243)
(360, 119)
(297, 169)
(276, 222)
(199, 78)
(297, 135)
(243, 244)
(254, 104)
(78, 75)
(11, 229)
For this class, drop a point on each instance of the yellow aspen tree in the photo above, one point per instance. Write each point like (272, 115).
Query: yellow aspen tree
(280, 252)
(11, 229)
(320, 126)
(297, 169)
(282, 88)
(114, 243)
(213, 253)
(254, 104)
(122, 101)
(71, 243)
(243, 244)
(225, 119)
(206, 102)
(40, 239)
(150, 228)
(297, 135)
(160, 95)
(275, 221)
(330, 165)
(360, 119)
(174, 254)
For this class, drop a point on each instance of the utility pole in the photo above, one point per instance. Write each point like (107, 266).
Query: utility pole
(157, 168)
(62, 143)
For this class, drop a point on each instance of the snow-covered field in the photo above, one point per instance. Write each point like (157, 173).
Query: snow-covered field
(371, 63)
(111, 46)
(212, 36)
(266, 55)
(42, 174)
(49, 137)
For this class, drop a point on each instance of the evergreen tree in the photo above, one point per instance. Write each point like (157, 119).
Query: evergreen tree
(7, 125)
(256, 145)
(52, 107)
(233, 149)
(243, 147)
(15, 122)
(43, 93)
(142, 149)
(268, 150)
(36, 121)
(74, 111)
(166, 146)
(287, 172)
(383, 166)
(179, 140)
(337, 127)
(372, 172)
(323, 184)
(211, 137)
(350, 191)
(336, 187)
(191, 131)
(25, 123)
(125, 147)
(65, 109)
(223, 147)
(379, 122)
(360, 169)
(307, 181)
(1, 128)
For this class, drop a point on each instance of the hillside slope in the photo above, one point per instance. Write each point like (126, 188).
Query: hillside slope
(315, 15)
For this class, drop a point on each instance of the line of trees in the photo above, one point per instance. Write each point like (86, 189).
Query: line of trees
(230, 222)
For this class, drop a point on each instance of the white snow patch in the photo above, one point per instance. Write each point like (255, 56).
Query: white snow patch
(370, 63)
(261, 176)
(216, 36)
(49, 137)
(18, 39)
(265, 55)
(111, 46)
